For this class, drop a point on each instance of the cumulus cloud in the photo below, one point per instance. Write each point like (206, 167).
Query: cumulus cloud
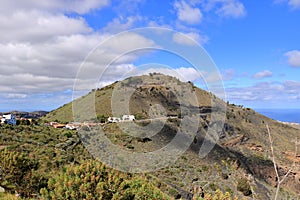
(189, 39)
(76, 6)
(186, 13)
(226, 8)
(121, 24)
(36, 26)
(182, 73)
(294, 4)
(60, 59)
(42, 49)
(15, 96)
(263, 74)
(232, 8)
(228, 74)
(293, 58)
(57, 58)
(188, 73)
(266, 91)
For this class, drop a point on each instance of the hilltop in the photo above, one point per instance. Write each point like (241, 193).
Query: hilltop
(239, 163)
(150, 90)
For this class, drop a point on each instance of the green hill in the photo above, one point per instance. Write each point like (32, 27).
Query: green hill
(151, 92)
(242, 156)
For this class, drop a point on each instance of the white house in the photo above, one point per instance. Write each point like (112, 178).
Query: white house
(9, 119)
(113, 119)
(124, 118)
(128, 118)
(73, 126)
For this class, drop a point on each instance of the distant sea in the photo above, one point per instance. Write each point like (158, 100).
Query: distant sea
(284, 115)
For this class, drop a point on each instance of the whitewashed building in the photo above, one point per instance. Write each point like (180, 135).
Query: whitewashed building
(124, 118)
(128, 118)
(113, 119)
(9, 119)
(73, 126)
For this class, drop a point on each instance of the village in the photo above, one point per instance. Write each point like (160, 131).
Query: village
(12, 119)
(78, 125)
(9, 119)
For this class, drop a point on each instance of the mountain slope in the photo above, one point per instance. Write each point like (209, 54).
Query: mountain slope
(241, 157)
(150, 93)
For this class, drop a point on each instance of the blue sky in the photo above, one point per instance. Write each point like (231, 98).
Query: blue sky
(254, 44)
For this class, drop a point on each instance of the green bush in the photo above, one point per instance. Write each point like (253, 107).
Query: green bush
(244, 187)
(16, 171)
(92, 180)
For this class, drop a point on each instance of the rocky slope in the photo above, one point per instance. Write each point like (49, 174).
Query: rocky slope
(240, 162)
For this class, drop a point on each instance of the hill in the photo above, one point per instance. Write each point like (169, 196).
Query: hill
(151, 91)
(240, 162)
(32, 115)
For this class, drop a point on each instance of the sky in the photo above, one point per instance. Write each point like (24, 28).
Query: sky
(45, 45)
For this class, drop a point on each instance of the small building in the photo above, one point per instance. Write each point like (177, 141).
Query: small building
(128, 118)
(59, 125)
(9, 119)
(114, 119)
(73, 126)
(53, 123)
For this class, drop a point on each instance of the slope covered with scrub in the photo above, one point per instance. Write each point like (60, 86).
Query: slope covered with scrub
(240, 162)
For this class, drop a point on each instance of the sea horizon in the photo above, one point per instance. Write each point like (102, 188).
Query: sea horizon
(291, 115)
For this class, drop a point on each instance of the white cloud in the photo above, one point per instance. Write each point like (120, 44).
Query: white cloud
(52, 66)
(120, 24)
(232, 8)
(30, 83)
(263, 74)
(293, 58)
(15, 96)
(228, 74)
(182, 73)
(38, 26)
(77, 6)
(37, 21)
(190, 39)
(275, 92)
(188, 73)
(42, 48)
(57, 58)
(295, 4)
(188, 14)
(226, 8)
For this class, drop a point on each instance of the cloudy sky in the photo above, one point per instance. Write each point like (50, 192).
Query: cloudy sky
(254, 44)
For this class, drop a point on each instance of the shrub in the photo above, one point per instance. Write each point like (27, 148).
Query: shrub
(244, 187)
(16, 171)
(8, 196)
(92, 180)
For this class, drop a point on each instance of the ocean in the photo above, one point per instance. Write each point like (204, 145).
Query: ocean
(284, 115)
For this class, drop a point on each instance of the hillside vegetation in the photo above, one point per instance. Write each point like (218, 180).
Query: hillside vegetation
(239, 164)
(47, 163)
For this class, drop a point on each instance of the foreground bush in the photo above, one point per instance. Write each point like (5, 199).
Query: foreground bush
(218, 195)
(7, 196)
(16, 171)
(92, 180)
